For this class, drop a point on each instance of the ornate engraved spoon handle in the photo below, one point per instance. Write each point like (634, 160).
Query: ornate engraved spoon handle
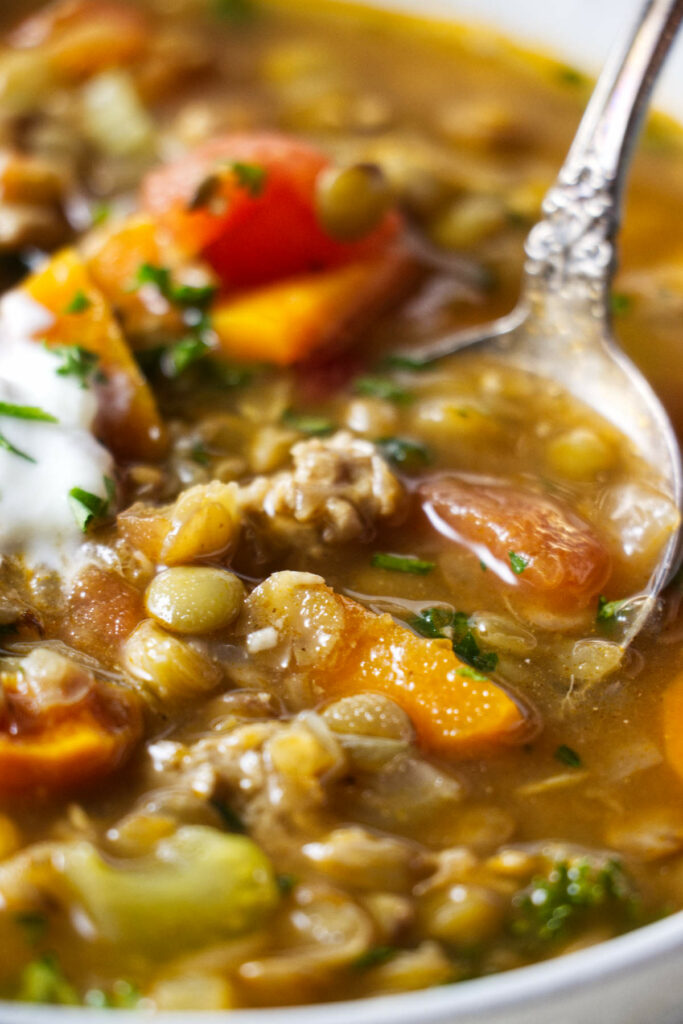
(575, 240)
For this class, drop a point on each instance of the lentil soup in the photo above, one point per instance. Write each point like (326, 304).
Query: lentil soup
(310, 685)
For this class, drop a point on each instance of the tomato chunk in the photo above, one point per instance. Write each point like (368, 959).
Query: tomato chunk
(246, 203)
(531, 541)
(60, 727)
(102, 611)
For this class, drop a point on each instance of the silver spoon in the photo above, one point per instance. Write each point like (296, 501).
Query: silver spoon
(561, 328)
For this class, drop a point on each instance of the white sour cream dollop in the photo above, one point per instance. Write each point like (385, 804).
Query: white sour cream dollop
(36, 516)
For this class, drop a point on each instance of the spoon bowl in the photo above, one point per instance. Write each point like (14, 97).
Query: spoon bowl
(561, 329)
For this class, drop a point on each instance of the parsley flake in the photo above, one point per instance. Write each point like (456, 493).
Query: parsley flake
(608, 610)
(621, 303)
(26, 412)
(80, 363)
(401, 563)
(315, 426)
(177, 358)
(79, 303)
(445, 623)
(184, 295)
(404, 452)
(374, 957)
(518, 563)
(382, 387)
(251, 177)
(238, 12)
(87, 507)
(565, 755)
(396, 361)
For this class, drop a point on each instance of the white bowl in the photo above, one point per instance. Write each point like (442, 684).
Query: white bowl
(634, 979)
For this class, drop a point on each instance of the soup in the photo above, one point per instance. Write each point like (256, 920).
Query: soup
(311, 681)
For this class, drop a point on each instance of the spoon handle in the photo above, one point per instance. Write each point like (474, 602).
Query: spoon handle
(575, 240)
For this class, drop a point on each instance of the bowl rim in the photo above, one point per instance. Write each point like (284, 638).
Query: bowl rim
(520, 988)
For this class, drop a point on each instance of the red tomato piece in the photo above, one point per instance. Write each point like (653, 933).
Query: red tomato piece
(258, 227)
(531, 541)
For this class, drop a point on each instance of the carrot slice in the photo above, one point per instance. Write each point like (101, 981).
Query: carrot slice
(83, 742)
(456, 711)
(672, 723)
(246, 203)
(128, 421)
(287, 322)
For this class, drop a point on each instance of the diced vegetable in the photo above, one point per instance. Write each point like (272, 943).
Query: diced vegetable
(455, 712)
(127, 421)
(529, 540)
(61, 728)
(253, 236)
(200, 886)
(672, 724)
(287, 322)
(102, 611)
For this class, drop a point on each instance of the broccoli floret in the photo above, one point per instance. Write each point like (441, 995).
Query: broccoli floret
(556, 905)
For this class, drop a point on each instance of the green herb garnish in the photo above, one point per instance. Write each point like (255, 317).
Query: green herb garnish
(445, 623)
(230, 818)
(401, 563)
(382, 387)
(286, 883)
(403, 452)
(315, 426)
(200, 454)
(620, 303)
(80, 363)
(570, 76)
(374, 957)
(79, 303)
(396, 361)
(565, 755)
(33, 924)
(608, 610)
(518, 562)
(184, 295)
(238, 12)
(26, 412)
(43, 981)
(9, 447)
(177, 358)
(124, 995)
(87, 507)
(251, 177)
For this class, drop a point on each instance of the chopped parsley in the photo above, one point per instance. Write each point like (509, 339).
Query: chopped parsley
(100, 214)
(184, 295)
(572, 893)
(43, 981)
(200, 454)
(518, 562)
(177, 358)
(403, 452)
(80, 363)
(608, 610)
(124, 995)
(238, 12)
(620, 303)
(33, 924)
(565, 755)
(230, 819)
(251, 177)
(26, 412)
(9, 447)
(315, 426)
(401, 563)
(571, 76)
(396, 361)
(374, 957)
(79, 303)
(382, 387)
(445, 623)
(87, 507)
(470, 673)
(286, 883)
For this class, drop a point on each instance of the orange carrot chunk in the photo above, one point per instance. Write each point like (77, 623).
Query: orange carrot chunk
(672, 724)
(456, 711)
(128, 421)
